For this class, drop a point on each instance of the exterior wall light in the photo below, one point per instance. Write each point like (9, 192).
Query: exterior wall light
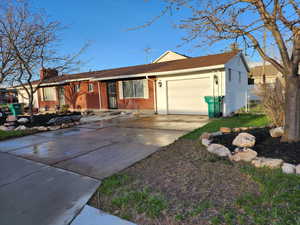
(216, 79)
(159, 84)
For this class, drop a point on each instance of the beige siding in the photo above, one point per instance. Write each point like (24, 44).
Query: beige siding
(169, 56)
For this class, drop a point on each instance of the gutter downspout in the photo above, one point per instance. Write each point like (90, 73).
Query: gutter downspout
(99, 94)
(154, 92)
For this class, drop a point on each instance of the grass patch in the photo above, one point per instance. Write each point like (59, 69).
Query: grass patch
(15, 133)
(127, 201)
(240, 120)
(141, 202)
(111, 183)
(278, 202)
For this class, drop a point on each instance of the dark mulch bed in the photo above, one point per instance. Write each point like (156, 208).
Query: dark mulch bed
(186, 175)
(41, 120)
(266, 146)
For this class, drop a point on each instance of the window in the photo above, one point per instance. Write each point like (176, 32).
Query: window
(229, 75)
(240, 77)
(77, 88)
(133, 89)
(91, 87)
(49, 94)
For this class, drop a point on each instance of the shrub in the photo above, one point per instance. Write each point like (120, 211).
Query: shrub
(64, 109)
(272, 99)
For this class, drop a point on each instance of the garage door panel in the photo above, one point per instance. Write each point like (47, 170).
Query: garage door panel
(187, 96)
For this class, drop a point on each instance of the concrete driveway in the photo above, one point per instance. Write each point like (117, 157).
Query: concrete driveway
(46, 178)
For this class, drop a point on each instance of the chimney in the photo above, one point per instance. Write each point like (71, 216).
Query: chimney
(234, 47)
(48, 73)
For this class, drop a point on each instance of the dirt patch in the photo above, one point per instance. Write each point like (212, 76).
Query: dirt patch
(266, 146)
(195, 185)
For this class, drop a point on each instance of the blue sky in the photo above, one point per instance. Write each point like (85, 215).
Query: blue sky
(105, 24)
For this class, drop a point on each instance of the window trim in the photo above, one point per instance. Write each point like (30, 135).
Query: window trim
(90, 85)
(45, 99)
(77, 88)
(134, 97)
(229, 75)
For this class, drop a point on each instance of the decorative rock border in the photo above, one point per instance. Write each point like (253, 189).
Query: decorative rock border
(244, 141)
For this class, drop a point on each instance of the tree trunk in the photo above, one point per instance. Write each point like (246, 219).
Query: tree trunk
(292, 110)
(30, 106)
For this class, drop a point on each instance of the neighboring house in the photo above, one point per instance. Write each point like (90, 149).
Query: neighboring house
(23, 97)
(170, 56)
(173, 84)
(261, 74)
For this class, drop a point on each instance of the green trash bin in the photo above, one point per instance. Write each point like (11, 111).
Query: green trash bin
(214, 105)
(15, 108)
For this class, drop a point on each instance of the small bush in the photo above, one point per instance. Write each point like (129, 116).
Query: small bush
(64, 109)
(272, 99)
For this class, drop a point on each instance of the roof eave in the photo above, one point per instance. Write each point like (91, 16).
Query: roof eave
(165, 73)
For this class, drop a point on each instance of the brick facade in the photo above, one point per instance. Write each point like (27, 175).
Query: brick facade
(85, 100)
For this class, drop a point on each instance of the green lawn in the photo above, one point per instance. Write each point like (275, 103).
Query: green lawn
(240, 120)
(14, 133)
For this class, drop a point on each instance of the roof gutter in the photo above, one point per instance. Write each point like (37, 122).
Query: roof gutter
(64, 82)
(171, 72)
(51, 84)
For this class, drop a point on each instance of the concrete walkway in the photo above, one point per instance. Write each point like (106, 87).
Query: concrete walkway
(48, 177)
(32, 193)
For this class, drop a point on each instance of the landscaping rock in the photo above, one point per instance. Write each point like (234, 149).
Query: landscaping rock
(297, 169)
(4, 128)
(11, 119)
(21, 127)
(64, 125)
(23, 120)
(288, 168)
(246, 155)
(219, 150)
(61, 120)
(52, 128)
(41, 128)
(205, 142)
(267, 162)
(225, 129)
(206, 136)
(237, 129)
(75, 118)
(244, 140)
(218, 133)
(244, 128)
(276, 132)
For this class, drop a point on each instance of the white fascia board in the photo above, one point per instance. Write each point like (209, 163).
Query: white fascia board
(81, 79)
(55, 83)
(166, 73)
(66, 81)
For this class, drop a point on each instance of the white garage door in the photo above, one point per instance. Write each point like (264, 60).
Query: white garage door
(187, 96)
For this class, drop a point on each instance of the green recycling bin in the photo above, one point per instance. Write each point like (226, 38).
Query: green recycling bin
(15, 108)
(214, 105)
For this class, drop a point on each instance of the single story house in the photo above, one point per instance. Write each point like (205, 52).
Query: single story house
(172, 84)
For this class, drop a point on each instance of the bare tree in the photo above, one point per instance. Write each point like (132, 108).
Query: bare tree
(32, 42)
(72, 94)
(7, 62)
(245, 21)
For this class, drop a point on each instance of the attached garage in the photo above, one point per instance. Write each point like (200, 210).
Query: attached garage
(186, 96)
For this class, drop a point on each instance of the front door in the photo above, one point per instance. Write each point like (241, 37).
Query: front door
(61, 96)
(112, 95)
